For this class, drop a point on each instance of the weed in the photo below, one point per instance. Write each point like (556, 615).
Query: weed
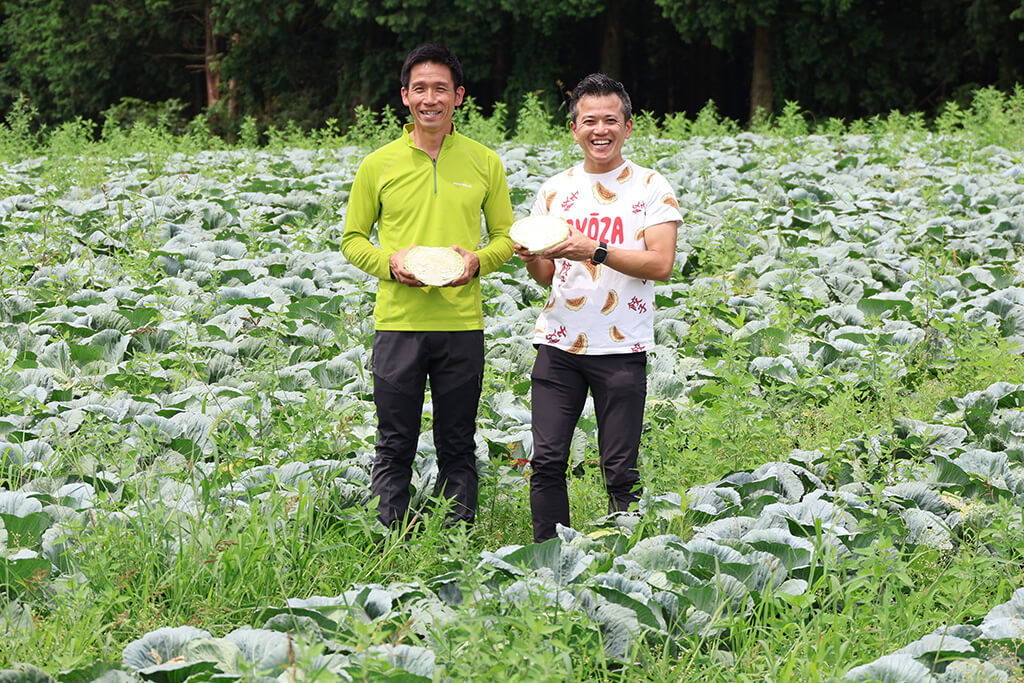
(533, 122)
(289, 136)
(644, 147)
(791, 124)
(249, 133)
(470, 121)
(372, 131)
(18, 136)
(708, 123)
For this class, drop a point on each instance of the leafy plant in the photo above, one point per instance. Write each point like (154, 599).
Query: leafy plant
(708, 123)
(533, 123)
(470, 120)
(372, 130)
(18, 137)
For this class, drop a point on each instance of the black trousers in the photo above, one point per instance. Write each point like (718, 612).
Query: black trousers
(402, 362)
(560, 382)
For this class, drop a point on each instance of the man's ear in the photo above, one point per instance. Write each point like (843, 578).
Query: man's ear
(460, 93)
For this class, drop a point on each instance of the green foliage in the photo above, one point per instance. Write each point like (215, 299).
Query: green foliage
(718, 21)
(209, 527)
(856, 58)
(994, 117)
(75, 57)
(533, 122)
(833, 127)
(645, 125)
(131, 111)
(72, 138)
(373, 130)
(288, 136)
(18, 138)
(329, 135)
(643, 147)
(527, 642)
(708, 123)
(200, 133)
(545, 13)
(307, 62)
(73, 155)
(761, 122)
(249, 133)
(791, 123)
(903, 126)
(469, 120)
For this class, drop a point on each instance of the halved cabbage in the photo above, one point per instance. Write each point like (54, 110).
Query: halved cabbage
(436, 266)
(538, 233)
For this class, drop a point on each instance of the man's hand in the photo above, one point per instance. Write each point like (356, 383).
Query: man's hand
(524, 254)
(397, 264)
(575, 247)
(541, 268)
(472, 267)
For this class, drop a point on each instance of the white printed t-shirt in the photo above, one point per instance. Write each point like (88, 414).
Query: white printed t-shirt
(593, 309)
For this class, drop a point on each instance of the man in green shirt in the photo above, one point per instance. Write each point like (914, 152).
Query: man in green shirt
(428, 188)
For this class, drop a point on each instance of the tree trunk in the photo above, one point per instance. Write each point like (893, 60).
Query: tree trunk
(233, 85)
(211, 65)
(611, 40)
(761, 95)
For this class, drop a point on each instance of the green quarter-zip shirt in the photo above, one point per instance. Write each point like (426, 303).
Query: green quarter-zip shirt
(415, 200)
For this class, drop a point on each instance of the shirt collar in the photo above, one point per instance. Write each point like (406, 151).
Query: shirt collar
(408, 128)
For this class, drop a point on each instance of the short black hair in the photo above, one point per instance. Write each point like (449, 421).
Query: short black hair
(599, 84)
(435, 54)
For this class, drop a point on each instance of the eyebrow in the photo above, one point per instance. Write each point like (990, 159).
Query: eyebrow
(423, 81)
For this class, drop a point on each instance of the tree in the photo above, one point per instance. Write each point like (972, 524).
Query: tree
(720, 22)
(76, 57)
(991, 27)
(723, 21)
(383, 31)
(858, 57)
(305, 61)
(276, 58)
(873, 56)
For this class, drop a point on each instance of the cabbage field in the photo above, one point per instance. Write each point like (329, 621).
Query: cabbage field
(833, 458)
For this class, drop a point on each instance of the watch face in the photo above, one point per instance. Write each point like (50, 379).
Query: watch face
(601, 253)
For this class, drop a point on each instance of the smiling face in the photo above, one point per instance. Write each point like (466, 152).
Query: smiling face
(432, 97)
(601, 129)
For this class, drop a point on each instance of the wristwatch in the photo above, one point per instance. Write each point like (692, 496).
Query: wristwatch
(601, 253)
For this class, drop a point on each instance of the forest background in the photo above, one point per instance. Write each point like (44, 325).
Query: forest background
(311, 62)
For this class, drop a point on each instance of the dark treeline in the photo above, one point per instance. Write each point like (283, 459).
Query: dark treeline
(308, 61)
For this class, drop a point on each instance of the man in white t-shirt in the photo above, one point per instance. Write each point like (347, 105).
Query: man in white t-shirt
(598, 322)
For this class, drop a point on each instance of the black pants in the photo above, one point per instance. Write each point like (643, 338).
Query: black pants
(402, 362)
(560, 381)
